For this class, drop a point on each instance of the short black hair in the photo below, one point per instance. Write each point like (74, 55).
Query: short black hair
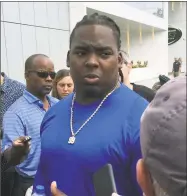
(29, 61)
(97, 19)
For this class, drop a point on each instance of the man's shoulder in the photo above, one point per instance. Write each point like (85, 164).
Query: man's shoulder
(133, 99)
(58, 109)
(17, 84)
(129, 95)
(128, 92)
(130, 102)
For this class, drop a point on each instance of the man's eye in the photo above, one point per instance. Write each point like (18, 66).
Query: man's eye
(80, 53)
(105, 54)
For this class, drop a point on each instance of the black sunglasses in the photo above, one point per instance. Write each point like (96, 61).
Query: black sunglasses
(44, 74)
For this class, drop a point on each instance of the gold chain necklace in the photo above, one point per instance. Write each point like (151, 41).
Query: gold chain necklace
(73, 134)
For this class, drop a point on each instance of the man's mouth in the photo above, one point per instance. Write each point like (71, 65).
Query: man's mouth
(48, 87)
(91, 78)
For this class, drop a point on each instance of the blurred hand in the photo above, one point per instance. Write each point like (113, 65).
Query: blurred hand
(55, 191)
(18, 151)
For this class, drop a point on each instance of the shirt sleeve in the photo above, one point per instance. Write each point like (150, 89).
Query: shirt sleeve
(134, 143)
(13, 128)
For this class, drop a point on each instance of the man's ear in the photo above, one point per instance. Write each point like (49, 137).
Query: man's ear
(144, 178)
(67, 60)
(120, 60)
(26, 75)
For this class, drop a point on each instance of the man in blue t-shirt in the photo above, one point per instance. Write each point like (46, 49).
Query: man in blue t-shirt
(99, 123)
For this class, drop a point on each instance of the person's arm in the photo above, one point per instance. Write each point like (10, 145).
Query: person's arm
(15, 154)
(13, 128)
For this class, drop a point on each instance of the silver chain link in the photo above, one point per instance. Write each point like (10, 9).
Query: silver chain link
(96, 110)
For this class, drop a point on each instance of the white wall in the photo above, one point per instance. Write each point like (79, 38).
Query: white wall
(33, 27)
(77, 10)
(154, 51)
(177, 19)
(121, 9)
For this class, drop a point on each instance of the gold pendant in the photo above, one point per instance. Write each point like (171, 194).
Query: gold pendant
(71, 140)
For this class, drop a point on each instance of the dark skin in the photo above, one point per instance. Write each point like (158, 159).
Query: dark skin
(94, 61)
(144, 178)
(40, 87)
(17, 152)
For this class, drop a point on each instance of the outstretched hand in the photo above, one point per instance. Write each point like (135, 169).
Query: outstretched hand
(18, 151)
(56, 192)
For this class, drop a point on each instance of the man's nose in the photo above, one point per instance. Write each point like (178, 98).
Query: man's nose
(92, 61)
(49, 78)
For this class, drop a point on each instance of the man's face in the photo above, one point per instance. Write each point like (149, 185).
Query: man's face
(94, 59)
(175, 59)
(38, 78)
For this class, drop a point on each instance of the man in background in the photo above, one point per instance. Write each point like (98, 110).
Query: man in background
(176, 67)
(162, 171)
(10, 91)
(24, 117)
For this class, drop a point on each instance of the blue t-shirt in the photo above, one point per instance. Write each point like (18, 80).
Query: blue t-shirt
(111, 136)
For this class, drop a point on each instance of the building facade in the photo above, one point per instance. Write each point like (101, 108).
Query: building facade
(44, 27)
(33, 27)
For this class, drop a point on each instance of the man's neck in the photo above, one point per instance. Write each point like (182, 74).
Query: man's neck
(43, 98)
(86, 100)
